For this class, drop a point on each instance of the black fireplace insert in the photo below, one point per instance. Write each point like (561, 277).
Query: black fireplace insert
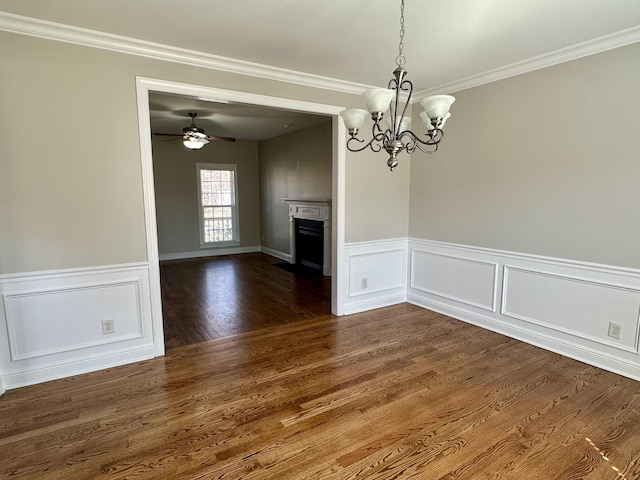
(309, 240)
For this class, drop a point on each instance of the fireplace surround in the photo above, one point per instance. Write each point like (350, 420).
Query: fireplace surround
(310, 233)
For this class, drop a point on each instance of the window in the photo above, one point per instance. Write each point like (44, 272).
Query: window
(217, 203)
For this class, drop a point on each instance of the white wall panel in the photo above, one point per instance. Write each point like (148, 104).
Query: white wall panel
(454, 277)
(573, 305)
(561, 305)
(375, 274)
(51, 322)
(34, 318)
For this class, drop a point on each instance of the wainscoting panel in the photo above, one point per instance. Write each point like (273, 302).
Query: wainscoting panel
(457, 278)
(375, 275)
(34, 318)
(557, 304)
(52, 322)
(573, 305)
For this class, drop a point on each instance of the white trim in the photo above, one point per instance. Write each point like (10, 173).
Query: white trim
(377, 244)
(63, 355)
(338, 215)
(46, 373)
(595, 267)
(70, 272)
(384, 264)
(235, 216)
(146, 85)
(150, 222)
(490, 307)
(33, 293)
(547, 342)
(117, 43)
(574, 52)
(400, 282)
(574, 278)
(210, 252)
(568, 336)
(275, 253)
(81, 36)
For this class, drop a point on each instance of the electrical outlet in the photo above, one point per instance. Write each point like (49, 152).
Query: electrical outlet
(108, 327)
(364, 283)
(614, 330)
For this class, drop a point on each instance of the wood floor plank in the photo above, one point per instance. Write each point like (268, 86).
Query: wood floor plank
(213, 297)
(396, 393)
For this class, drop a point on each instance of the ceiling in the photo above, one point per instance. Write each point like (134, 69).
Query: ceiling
(446, 42)
(170, 113)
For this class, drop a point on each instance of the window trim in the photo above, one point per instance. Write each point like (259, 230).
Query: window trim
(234, 207)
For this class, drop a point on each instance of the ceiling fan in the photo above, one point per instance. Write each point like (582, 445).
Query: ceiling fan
(193, 137)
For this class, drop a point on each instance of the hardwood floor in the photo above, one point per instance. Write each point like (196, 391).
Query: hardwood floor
(395, 393)
(215, 297)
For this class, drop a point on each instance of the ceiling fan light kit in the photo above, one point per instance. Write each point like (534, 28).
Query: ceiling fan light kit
(390, 129)
(193, 137)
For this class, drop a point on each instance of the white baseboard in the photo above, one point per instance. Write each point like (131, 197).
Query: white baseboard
(56, 371)
(560, 305)
(210, 252)
(275, 253)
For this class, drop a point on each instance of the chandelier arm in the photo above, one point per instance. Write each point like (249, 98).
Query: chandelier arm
(435, 137)
(394, 111)
(410, 90)
(426, 146)
(423, 149)
(376, 137)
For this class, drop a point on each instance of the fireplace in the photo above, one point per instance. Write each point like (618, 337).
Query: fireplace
(309, 233)
(309, 241)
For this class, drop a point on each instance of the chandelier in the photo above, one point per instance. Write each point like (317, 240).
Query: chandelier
(390, 129)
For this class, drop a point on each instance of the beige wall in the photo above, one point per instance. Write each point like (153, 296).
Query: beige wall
(377, 200)
(293, 165)
(174, 172)
(545, 163)
(72, 195)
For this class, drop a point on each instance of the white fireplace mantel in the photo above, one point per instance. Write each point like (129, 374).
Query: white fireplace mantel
(311, 209)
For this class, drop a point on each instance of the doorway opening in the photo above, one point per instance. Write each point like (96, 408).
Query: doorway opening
(144, 87)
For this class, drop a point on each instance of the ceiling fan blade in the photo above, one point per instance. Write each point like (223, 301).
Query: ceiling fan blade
(222, 139)
(169, 134)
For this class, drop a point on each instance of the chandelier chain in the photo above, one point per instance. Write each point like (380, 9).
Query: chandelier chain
(400, 60)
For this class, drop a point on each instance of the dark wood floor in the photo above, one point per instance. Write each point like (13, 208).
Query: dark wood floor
(395, 393)
(214, 297)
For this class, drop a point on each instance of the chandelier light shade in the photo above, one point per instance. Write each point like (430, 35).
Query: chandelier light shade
(391, 127)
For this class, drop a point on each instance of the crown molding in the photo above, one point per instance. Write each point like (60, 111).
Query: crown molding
(591, 47)
(91, 38)
(81, 36)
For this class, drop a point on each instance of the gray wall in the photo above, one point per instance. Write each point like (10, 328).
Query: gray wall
(545, 163)
(174, 171)
(73, 197)
(293, 165)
